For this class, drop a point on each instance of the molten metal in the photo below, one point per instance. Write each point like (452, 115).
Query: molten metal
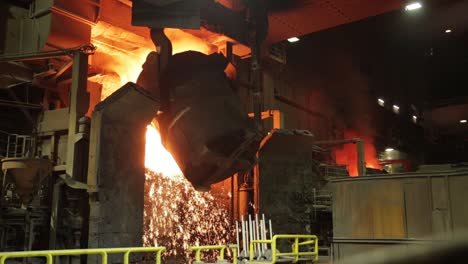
(176, 215)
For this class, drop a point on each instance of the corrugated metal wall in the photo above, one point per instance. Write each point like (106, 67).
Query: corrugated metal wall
(369, 212)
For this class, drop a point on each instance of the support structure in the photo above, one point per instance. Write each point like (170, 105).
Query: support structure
(79, 103)
(116, 171)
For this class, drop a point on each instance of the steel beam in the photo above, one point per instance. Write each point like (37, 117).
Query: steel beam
(17, 104)
(79, 103)
(35, 55)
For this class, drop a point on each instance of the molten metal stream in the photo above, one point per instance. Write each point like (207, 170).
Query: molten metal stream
(176, 215)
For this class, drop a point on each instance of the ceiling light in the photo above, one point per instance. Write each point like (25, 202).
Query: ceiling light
(413, 6)
(293, 39)
(415, 119)
(389, 149)
(396, 109)
(448, 31)
(463, 121)
(381, 102)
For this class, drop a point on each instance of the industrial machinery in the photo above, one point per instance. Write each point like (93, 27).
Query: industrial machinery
(73, 153)
(59, 187)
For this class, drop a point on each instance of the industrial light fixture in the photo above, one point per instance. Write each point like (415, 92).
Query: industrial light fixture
(381, 102)
(463, 121)
(389, 149)
(396, 109)
(293, 39)
(448, 31)
(413, 6)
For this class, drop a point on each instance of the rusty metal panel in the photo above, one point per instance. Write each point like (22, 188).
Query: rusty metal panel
(458, 187)
(429, 204)
(418, 207)
(369, 209)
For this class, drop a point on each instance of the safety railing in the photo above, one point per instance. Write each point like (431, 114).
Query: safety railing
(221, 248)
(16, 146)
(104, 252)
(295, 254)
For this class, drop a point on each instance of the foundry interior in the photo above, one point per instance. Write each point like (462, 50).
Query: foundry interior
(233, 131)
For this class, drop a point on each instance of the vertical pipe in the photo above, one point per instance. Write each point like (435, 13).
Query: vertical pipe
(254, 237)
(256, 187)
(103, 257)
(257, 234)
(158, 257)
(361, 161)
(271, 229)
(243, 234)
(237, 237)
(296, 249)
(250, 232)
(264, 231)
(262, 246)
(247, 241)
(244, 194)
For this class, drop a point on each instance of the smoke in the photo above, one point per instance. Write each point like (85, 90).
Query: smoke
(333, 81)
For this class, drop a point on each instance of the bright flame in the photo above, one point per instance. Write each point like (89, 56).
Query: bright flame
(183, 41)
(121, 54)
(347, 155)
(176, 215)
(157, 158)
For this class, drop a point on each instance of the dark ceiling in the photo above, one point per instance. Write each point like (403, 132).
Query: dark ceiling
(301, 17)
(407, 56)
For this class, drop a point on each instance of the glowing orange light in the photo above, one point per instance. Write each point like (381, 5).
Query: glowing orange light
(157, 158)
(347, 155)
(183, 41)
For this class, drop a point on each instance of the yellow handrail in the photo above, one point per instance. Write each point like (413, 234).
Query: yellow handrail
(221, 249)
(309, 240)
(49, 254)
